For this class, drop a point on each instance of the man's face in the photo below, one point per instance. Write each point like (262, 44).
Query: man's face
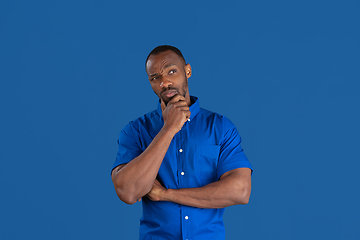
(168, 75)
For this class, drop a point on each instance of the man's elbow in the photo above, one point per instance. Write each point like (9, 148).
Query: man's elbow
(129, 201)
(243, 196)
(125, 192)
(126, 198)
(244, 200)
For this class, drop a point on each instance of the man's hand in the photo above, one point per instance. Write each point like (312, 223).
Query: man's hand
(157, 192)
(175, 114)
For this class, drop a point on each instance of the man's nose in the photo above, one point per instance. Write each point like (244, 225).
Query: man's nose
(165, 83)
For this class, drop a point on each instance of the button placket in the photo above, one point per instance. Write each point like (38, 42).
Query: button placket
(180, 159)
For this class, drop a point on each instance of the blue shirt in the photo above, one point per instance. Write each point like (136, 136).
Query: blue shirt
(207, 146)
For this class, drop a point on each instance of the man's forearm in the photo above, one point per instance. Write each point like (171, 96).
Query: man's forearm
(232, 189)
(136, 178)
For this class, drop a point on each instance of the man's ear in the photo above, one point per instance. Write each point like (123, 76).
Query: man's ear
(188, 70)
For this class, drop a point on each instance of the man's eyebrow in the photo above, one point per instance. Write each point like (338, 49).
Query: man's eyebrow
(153, 75)
(169, 65)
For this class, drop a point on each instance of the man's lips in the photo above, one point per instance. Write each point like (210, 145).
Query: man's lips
(170, 93)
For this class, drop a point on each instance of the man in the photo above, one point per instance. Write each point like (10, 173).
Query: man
(185, 162)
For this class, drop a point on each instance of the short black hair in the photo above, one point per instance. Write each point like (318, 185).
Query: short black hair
(164, 48)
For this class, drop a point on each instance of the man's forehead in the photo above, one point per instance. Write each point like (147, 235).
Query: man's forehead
(162, 60)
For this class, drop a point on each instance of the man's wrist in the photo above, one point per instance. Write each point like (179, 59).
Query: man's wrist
(167, 196)
(168, 131)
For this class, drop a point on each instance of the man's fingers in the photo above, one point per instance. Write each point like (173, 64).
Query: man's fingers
(176, 98)
(188, 114)
(186, 111)
(180, 104)
(184, 108)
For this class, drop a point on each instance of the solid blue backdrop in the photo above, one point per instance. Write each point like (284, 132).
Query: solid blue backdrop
(72, 76)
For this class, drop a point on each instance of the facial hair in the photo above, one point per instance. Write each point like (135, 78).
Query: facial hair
(184, 90)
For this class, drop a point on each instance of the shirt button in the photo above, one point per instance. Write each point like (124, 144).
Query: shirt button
(182, 173)
(180, 150)
(186, 217)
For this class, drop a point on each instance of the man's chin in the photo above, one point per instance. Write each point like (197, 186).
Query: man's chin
(166, 100)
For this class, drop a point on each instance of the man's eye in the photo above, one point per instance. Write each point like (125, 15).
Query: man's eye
(154, 78)
(172, 71)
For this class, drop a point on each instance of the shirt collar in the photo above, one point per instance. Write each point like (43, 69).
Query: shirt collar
(194, 108)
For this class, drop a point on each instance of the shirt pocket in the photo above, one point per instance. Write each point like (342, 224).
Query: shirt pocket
(206, 162)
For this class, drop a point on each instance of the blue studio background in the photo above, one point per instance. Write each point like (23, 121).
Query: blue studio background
(72, 76)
